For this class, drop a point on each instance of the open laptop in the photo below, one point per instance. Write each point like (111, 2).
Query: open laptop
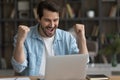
(67, 67)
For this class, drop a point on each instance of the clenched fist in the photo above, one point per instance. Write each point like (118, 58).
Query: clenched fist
(22, 33)
(80, 30)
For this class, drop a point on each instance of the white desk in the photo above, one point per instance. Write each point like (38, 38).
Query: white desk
(36, 77)
(106, 69)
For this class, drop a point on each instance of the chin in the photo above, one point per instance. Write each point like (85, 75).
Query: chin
(50, 35)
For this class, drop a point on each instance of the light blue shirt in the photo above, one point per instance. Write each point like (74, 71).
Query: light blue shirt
(64, 44)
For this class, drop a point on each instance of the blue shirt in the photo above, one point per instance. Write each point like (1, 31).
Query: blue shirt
(64, 44)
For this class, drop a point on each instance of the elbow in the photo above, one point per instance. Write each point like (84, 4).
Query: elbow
(18, 67)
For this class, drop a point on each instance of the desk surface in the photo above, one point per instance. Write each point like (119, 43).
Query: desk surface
(36, 77)
(115, 78)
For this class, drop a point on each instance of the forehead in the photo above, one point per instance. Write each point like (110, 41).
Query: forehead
(47, 13)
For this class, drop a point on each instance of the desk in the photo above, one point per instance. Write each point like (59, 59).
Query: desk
(106, 69)
(31, 77)
(115, 78)
(36, 77)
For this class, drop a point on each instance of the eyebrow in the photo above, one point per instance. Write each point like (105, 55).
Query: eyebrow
(50, 19)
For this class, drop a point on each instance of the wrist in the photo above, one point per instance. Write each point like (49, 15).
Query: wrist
(82, 38)
(19, 42)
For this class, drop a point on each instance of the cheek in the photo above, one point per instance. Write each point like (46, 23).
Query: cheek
(44, 23)
(56, 24)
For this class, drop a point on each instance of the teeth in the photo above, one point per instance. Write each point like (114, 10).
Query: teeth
(50, 29)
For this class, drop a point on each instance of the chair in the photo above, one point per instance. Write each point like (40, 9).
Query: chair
(92, 50)
(91, 45)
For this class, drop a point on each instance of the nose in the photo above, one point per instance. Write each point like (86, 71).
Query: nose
(52, 24)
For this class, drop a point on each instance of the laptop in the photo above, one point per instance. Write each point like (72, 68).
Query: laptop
(66, 67)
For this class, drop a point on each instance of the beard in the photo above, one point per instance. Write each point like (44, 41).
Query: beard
(48, 31)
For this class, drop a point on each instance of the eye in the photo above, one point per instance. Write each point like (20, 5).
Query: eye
(55, 20)
(47, 20)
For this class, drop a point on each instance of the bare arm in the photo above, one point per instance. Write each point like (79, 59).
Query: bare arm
(80, 32)
(18, 53)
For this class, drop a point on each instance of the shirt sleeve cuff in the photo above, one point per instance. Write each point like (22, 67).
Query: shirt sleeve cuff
(15, 62)
(17, 66)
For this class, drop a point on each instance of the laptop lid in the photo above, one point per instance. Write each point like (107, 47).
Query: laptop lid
(67, 67)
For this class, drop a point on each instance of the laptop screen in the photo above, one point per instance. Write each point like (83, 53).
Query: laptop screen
(67, 67)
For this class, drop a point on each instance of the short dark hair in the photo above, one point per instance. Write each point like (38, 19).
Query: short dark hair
(51, 6)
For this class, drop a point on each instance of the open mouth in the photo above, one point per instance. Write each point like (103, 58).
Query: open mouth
(50, 30)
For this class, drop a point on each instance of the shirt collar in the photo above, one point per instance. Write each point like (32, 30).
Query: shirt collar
(35, 33)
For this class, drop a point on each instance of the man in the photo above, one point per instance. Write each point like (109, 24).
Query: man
(33, 44)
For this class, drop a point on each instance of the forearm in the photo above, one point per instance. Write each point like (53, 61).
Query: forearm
(18, 53)
(82, 45)
(80, 32)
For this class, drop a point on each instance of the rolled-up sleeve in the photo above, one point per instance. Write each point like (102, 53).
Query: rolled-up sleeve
(17, 66)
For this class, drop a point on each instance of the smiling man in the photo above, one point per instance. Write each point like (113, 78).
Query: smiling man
(33, 44)
(49, 23)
